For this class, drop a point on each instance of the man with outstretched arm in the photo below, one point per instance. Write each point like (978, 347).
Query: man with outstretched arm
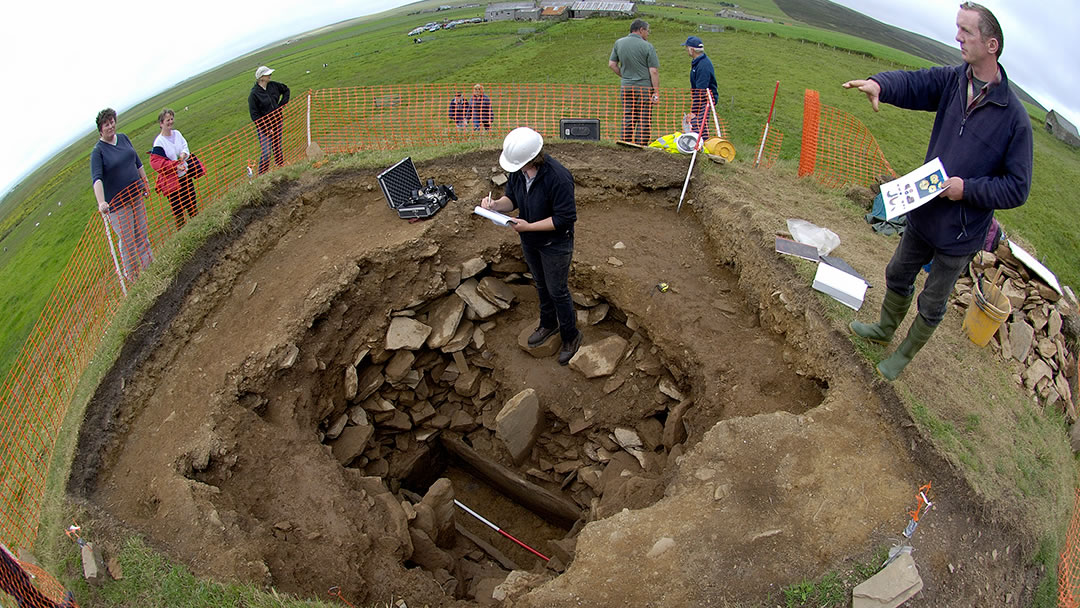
(983, 136)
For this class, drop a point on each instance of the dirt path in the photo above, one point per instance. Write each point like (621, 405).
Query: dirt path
(796, 462)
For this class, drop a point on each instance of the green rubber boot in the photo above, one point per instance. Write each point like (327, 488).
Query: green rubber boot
(893, 310)
(916, 338)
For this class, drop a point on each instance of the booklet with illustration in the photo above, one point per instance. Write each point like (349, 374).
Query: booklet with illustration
(496, 218)
(914, 189)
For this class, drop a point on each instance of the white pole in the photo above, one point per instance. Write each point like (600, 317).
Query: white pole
(716, 121)
(116, 264)
(688, 171)
(309, 119)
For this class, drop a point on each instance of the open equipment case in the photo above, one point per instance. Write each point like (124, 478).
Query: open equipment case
(410, 198)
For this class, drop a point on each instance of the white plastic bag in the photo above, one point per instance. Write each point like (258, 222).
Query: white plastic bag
(810, 234)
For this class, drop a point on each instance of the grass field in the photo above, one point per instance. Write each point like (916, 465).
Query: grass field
(749, 58)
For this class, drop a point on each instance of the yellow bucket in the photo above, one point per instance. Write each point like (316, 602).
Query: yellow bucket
(720, 147)
(988, 310)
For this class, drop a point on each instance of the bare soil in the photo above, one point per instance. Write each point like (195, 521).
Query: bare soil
(206, 436)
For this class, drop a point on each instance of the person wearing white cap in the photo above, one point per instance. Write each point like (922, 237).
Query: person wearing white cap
(264, 104)
(702, 79)
(542, 191)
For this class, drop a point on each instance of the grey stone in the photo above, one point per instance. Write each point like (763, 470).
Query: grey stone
(598, 313)
(440, 499)
(548, 348)
(337, 426)
(461, 338)
(399, 365)
(517, 583)
(651, 432)
(1046, 348)
(894, 585)
(351, 443)
(453, 278)
(400, 421)
(519, 423)
(1053, 326)
(584, 300)
(406, 333)
(499, 179)
(1038, 370)
(478, 303)
(674, 427)
(369, 382)
(444, 320)
(473, 267)
(377, 405)
(478, 338)
(1062, 386)
(468, 384)
(289, 358)
(1020, 335)
(600, 358)
(358, 415)
(93, 565)
(613, 383)
(350, 383)
(496, 292)
(1039, 318)
(461, 422)
(614, 261)
(668, 387)
(421, 412)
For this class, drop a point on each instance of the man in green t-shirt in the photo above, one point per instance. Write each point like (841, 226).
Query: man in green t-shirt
(635, 62)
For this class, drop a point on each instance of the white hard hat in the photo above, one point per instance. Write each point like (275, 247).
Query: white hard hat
(520, 146)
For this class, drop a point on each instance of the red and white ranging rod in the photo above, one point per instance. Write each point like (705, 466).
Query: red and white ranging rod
(765, 134)
(501, 531)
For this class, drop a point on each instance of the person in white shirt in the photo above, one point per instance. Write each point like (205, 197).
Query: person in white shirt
(169, 157)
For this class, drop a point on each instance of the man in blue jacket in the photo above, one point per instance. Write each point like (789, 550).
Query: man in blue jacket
(702, 79)
(983, 136)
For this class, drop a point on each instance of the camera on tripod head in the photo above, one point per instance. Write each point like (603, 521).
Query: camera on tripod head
(433, 196)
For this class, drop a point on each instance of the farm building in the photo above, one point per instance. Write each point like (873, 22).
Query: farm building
(512, 11)
(729, 13)
(589, 8)
(555, 13)
(1062, 129)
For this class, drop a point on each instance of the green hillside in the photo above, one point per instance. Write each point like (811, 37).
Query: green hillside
(750, 57)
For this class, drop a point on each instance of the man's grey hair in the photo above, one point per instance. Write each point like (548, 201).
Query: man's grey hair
(988, 24)
(638, 25)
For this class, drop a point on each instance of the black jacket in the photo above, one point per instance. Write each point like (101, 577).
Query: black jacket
(264, 101)
(551, 195)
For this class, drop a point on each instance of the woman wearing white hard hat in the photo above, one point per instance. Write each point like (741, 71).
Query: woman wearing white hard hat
(542, 191)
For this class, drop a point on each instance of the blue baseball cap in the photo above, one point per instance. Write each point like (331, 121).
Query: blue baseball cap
(694, 42)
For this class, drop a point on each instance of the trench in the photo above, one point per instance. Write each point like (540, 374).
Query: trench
(373, 428)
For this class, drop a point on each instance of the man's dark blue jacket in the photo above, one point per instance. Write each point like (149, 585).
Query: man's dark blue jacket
(990, 148)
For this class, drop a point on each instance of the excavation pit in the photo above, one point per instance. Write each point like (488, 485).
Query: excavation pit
(270, 433)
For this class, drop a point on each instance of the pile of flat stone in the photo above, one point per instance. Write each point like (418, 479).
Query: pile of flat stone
(1037, 334)
(430, 380)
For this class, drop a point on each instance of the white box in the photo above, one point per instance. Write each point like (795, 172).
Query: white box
(845, 288)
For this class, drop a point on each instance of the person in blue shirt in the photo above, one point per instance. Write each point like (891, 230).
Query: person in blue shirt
(121, 187)
(702, 79)
(983, 136)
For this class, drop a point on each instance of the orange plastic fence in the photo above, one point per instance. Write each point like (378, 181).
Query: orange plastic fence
(837, 149)
(1069, 566)
(770, 151)
(395, 116)
(36, 391)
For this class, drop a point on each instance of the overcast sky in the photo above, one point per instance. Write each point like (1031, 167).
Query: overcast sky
(65, 61)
